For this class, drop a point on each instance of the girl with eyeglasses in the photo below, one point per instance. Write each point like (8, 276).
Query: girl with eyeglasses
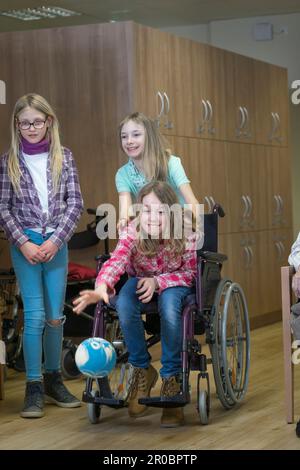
(40, 205)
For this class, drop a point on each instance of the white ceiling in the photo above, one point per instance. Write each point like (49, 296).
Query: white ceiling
(156, 13)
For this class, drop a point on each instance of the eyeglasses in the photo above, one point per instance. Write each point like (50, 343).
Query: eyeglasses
(37, 124)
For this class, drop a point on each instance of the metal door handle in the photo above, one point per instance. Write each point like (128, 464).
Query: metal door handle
(168, 103)
(208, 201)
(246, 206)
(162, 105)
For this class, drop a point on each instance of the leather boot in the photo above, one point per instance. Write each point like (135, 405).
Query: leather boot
(141, 382)
(171, 417)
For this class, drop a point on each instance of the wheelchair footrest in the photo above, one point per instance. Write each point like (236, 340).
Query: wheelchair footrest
(107, 401)
(166, 402)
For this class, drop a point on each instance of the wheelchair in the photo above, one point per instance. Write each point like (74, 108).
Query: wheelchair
(217, 311)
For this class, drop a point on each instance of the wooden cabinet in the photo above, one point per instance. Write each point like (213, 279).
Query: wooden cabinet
(204, 162)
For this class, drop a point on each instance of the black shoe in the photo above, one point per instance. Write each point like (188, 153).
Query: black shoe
(34, 400)
(57, 393)
(298, 429)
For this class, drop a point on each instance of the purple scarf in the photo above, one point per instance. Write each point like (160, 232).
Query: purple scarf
(33, 149)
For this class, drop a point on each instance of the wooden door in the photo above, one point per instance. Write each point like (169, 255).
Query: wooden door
(242, 266)
(245, 175)
(279, 104)
(239, 115)
(208, 77)
(154, 86)
(279, 202)
(204, 163)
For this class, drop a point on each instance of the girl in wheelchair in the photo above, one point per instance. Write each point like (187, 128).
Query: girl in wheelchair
(159, 264)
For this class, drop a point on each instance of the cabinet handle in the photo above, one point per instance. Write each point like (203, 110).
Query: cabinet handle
(162, 105)
(282, 247)
(168, 103)
(205, 109)
(251, 256)
(278, 137)
(168, 123)
(280, 204)
(208, 202)
(213, 202)
(246, 250)
(274, 126)
(247, 132)
(211, 129)
(277, 210)
(242, 121)
(278, 251)
(246, 206)
(250, 205)
(201, 127)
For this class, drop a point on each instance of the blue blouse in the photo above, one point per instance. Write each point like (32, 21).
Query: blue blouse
(129, 179)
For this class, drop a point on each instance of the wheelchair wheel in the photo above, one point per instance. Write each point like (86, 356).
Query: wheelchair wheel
(94, 410)
(230, 348)
(119, 377)
(203, 406)
(69, 369)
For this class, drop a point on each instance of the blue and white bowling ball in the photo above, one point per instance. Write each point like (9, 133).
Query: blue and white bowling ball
(95, 357)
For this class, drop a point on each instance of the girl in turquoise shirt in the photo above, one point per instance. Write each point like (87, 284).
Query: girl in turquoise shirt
(149, 160)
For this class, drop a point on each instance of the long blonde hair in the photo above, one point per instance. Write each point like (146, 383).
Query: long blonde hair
(167, 196)
(156, 155)
(39, 103)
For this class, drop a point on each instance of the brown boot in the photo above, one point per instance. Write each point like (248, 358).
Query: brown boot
(141, 382)
(171, 417)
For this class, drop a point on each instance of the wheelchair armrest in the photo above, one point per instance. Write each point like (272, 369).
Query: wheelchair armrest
(212, 256)
(102, 258)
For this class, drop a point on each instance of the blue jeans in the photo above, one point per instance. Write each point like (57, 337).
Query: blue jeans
(170, 304)
(42, 287)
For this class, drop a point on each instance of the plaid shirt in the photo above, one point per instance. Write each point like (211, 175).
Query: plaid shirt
(23, 210)
(168, 269)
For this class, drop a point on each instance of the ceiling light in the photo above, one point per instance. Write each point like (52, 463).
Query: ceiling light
(38, 13)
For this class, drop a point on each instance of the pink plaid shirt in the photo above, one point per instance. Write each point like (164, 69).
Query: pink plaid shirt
(168, 269)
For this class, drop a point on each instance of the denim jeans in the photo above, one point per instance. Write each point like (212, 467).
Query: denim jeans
(170, 304)
(42, 287)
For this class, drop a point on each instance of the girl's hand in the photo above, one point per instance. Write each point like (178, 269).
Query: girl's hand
(296, 284)
(32, 252)
(87, 297)
(122, 224)
(48, 250)
(146, 288)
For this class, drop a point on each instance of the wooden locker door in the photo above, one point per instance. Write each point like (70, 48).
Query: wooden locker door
(181, 87)
(279, 187)
(151, 72)
(279, 104)
(264, 123)
(240, 116)
(208, 65)
(242, 266)
(239, 169)
(204, 163)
